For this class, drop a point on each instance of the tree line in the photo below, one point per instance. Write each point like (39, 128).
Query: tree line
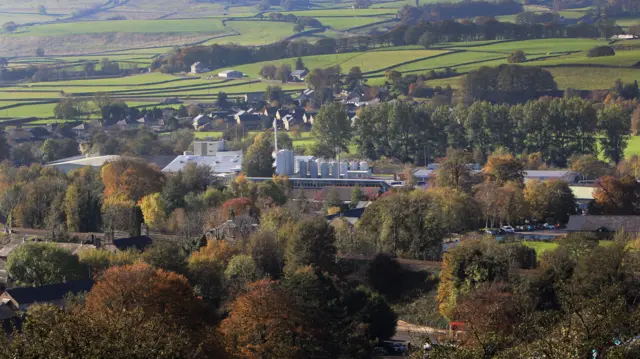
(554, 128)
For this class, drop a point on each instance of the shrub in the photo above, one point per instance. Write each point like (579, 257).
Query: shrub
(599, 51)
(517, 57)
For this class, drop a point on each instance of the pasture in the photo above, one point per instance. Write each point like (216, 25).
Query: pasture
(252, 32)
(213, 26)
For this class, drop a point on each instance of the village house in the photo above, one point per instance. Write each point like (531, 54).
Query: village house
(198, 68)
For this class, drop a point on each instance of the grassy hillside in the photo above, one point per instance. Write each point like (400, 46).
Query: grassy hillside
(140, 26)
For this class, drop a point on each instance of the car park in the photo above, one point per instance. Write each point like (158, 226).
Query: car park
(508, 229)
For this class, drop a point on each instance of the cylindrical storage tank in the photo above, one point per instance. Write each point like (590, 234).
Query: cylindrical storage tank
(313, 169)
(344, 167)
(364, 166)
(354, 165)
(292, 161)
(335, 169)
(303, 169)
(324, 170)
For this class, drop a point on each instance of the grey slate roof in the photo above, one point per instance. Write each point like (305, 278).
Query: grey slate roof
(603, 223)
(48, 293)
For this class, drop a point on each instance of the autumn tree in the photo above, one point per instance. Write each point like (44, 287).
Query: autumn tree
(455, 170)
(50, 332)
(265, 323)
(153, 211)
(118, 213)
(616, 196)
(551, 201)
(258, 160)
(589, 167)
(132, 178)
(155, 291)
(466, 267)
(502, 168)
(37, 264)
(236, 207)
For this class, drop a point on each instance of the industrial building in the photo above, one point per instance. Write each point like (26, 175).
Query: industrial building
(208, 148)
(287, 164)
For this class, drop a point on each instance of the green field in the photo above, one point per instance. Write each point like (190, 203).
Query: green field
(541, 247)
(343, 23)
(633, 148)
(255, 32)
(541, 46)
(367, 61)
(213, 26)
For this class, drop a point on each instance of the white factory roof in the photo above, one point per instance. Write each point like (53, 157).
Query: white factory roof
(222, 162)
(72, 163)
(548, 173)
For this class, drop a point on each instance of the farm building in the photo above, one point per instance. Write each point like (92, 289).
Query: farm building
(230, 74)
(624, 37)
(299, 75)
(198, 68)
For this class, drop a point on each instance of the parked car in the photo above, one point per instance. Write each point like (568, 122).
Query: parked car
(508, 229)
(491, 231)
(548, 226)
(525, 228)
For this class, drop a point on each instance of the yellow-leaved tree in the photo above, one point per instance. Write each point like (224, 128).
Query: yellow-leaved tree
(153, 211)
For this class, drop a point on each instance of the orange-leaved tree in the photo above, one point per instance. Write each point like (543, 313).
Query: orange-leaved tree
(131, 177)
(264, 323)
(155, 291)
(236, 207)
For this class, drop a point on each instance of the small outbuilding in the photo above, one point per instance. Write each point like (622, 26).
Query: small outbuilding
(230, 74)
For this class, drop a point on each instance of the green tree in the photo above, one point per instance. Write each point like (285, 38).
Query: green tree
(455, 170)
(332, 199)
(37, 264)
(614, 125)
(9, 26)
(83, 200)
(54, 149)
(40, 52)
(258, 160)
(42, 9)
(312, 242)
(69, 108)
(166, 255)
(273, 93)
(427, 39)
(5, 151)
(300, 64)
(357, 195)
(242, 269)
(332, 129)
(283, 74)
(517, 57)
(354, 77)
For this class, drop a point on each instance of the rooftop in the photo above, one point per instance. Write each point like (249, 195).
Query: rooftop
(603, 223)
(221, 162)
(139, 243)
(48, 293)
